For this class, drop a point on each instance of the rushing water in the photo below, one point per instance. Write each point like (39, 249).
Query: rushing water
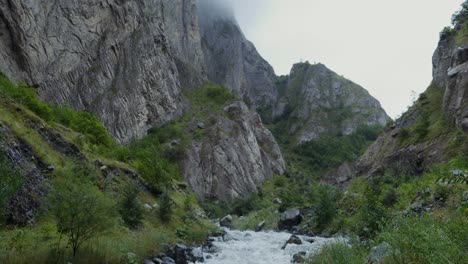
(248, 247)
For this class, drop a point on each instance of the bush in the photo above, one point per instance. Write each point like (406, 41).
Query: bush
(166, 206)
(130, 209)
(326, 209)
(83, 122)
(26, 96)
(80, 210)
(462, 15)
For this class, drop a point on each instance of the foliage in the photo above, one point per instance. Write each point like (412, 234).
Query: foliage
(210, 98)
(327, 207)
(332, 151)
(130, 209)
(462, 15)
(166, 206)
(26, 96)
(425, 239)
(147, 155)
(80, 210)
(83, 122)
(10, 182)
(340, 253)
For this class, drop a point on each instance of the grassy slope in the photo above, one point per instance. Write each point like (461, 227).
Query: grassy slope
(24, 115)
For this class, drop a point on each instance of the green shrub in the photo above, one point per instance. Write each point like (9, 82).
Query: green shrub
(83, 122)
(130, 209)
(390, 198)
(26, 96)
(462, 15)
(81, 212)
(326, 209)
(166, 206)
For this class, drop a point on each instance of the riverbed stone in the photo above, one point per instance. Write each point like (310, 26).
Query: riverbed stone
(299, 257)
(293, 240)
(226, 221)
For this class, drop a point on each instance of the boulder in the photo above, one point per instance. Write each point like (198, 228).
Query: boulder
(293, 240)
(379, 253)
(226, 221)
(277, 201)
(289, 219)
(148, 207)
(299, 257)
(260, 226)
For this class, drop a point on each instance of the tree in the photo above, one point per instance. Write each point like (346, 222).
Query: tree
(130, 209)
(166, 206)
(80, 210)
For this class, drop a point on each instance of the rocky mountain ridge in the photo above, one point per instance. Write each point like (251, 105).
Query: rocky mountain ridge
(435, 128)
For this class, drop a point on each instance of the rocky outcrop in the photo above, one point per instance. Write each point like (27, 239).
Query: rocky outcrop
(231, 59)
(27, 199)
(236, 154)
(445, 103)
(316, 101)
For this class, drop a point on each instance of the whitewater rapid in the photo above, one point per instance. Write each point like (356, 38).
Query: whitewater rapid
(248, 247)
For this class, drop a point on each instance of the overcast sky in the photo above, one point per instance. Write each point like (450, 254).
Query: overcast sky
(385, 46)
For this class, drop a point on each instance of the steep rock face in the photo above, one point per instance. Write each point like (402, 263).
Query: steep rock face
(231, 59)
(237, 154)
(22, 208)
(444, 102)
(317, 101)
(108, 57)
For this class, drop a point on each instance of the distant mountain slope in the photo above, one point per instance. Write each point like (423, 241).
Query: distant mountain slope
(435, 128)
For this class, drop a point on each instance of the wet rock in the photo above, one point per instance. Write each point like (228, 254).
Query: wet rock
(379, 253)
(293, 240)
(260, 226)
(289, 219)
(226, 221)
(299, 257)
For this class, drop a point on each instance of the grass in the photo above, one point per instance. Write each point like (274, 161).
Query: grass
(340, 253)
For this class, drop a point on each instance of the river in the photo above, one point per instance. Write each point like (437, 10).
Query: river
(249, 247)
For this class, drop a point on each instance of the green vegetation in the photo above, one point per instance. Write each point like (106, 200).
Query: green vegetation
(78, 220)
(331, 151)
(80, 210)
(130, 210)
(341, 253)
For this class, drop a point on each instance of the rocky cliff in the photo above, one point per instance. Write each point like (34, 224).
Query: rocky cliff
(313, 101)
(130, 61)
(435, 128)
(236, 155)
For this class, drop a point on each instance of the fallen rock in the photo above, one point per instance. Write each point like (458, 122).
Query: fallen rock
(299, 257)
(226, 221)
(289, 219)
(148, 207)
(260, 226)
(379, 253)
(277, 201)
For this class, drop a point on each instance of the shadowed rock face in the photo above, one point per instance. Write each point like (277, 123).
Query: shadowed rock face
(237, 155)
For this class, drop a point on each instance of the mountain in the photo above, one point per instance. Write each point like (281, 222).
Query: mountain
(315, 101)
(435, 128)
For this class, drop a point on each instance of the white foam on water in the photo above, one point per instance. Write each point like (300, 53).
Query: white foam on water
(250, 247)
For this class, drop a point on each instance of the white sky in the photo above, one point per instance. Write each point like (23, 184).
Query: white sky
(385, 46)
